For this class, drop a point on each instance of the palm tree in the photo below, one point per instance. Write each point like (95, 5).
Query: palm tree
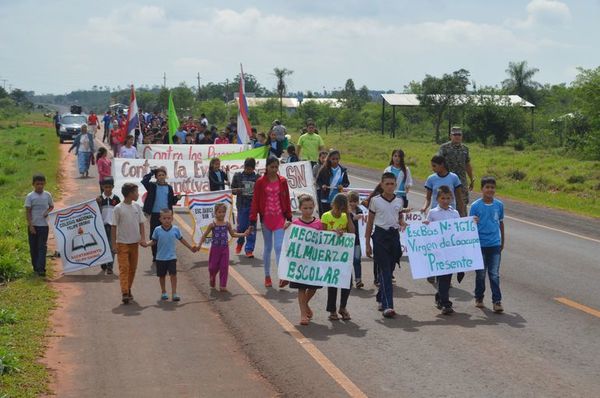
(520, 81)
(280, 74)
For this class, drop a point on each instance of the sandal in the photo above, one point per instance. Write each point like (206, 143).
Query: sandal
(334, 317)
(345, 315)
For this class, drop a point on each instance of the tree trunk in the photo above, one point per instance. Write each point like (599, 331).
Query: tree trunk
(280, 106)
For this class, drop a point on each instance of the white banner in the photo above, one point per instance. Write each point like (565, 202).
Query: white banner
(185, 176)
(80, 236)
(202, 210)
(300, 180)
(320, 258)
(443, 247)
(198, 153)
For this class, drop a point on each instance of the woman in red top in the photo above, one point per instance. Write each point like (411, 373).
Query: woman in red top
(271, 200)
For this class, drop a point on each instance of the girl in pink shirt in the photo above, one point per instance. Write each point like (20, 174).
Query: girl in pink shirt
(306, 292)
(104, 166)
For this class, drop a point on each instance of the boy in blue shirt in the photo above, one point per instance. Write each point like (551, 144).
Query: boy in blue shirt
(165, 237)
(489, 213)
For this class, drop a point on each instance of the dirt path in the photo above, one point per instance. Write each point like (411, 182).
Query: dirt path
(100, 348)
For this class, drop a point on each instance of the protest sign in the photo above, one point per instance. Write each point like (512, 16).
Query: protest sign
(185, 176)
(413, 217)
(443, 247)
(202, 210)
(198, 153)
(320, 258)
(300, 180)
(80, 236)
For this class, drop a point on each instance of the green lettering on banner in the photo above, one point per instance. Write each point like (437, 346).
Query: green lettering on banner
(291, 249)
(302, 234)
(444, 226)
(294, 233)
(327, 277)
(291, 268)
(312, 273)
(328, 255)
(344, 257)
(318, 277)
(339, 241)
(431, 258)
(336, 276)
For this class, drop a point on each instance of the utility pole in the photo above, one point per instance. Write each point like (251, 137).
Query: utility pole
(198, 76)
(164, 79)
(4, 83)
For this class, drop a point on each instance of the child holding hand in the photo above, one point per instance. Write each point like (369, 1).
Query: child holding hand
(218, 256)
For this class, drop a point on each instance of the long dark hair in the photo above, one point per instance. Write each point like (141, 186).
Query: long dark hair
(101, 153)
(400, 152)
(326, 166)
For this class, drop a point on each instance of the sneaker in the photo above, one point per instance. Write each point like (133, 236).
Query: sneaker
(283, 283)
(164, 297)
(498, 307)
(393, 279)
(389, 313)
(359, 284)
(479, 303)
(109, 271)
(268, 282)
(176, 297)
(238, 249)
(249, 255)
(447, 310)
(125, 298)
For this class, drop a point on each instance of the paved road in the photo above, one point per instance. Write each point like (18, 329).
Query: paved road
(539, 348)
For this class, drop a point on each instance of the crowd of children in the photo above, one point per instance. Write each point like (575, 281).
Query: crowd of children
(266, 198)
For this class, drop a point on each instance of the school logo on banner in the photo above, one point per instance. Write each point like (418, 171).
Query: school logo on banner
(80, 236)
(202, 210)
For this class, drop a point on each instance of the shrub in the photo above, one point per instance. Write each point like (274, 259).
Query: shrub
(8, 362)
(19, 141)
(540, 183)
(7, 317)
(576, 179)
(3, 180)
(9, 269)
(516, 175)
(519, 145)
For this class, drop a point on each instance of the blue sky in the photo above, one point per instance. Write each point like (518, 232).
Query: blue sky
(59, 46)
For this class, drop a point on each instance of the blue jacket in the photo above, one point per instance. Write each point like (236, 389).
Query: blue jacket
(77, 142)
(151, 194)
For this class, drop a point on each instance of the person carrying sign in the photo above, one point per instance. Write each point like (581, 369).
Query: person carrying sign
(443, 211)
(385, 214)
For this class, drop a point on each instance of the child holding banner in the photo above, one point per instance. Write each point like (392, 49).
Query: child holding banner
(338, 220)
(306, 204)
(160, 195)
(385, 213)
(490, 225)
(165, 237)
(107, 202)
(332, 178)
(127, 234)
(218, 256)
(443, 211)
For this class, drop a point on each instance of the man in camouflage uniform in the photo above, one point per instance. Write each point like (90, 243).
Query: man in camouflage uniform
(459, 162)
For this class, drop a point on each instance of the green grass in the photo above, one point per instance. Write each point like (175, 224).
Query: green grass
(25, 300)
(538, 177)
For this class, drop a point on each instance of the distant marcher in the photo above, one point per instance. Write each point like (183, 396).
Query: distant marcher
(107, 201)
(310, 144)
(128, 151)
(104, 165)
(181, 134)
(332, 179)
(279, 129)
(402, 172)
(459, 162)
(261, 140)
(222, 138)
(84, 149)
(489, 213)
(56, 120)
(292, 157)
(93, 123)
(164, 238)
(203, 120)
(317, 166)
(106, 123)
(38, 203)
(127, 233)
(271, 200)
(275, 147)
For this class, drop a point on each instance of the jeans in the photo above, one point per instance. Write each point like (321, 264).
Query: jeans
(491, 262)
(386, 252)
(38, 246)
(356, 262)
(269, 237)
(242, 226)
(443, 294)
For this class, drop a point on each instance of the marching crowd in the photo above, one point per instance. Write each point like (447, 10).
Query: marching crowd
(266, 199)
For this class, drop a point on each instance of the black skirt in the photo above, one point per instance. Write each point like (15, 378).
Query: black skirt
(298, 285)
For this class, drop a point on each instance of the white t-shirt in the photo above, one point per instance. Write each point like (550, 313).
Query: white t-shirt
(84, 144)
(128, 153)
(127, 219)
(439, 214)
(386, 212)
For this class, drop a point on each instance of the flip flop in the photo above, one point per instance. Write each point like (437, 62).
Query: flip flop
(334, 317)
(345, 315)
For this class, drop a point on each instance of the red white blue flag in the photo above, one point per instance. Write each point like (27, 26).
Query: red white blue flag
(133, 121)
(243, 124)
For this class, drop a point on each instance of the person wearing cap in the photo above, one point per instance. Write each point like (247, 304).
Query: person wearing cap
(459, 162)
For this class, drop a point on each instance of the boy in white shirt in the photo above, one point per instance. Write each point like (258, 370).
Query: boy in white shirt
(127, 234)
(443, 211)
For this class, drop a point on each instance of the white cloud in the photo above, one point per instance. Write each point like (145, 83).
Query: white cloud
(544, 13)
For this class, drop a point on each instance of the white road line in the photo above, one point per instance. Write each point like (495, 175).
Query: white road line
(374, 182)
